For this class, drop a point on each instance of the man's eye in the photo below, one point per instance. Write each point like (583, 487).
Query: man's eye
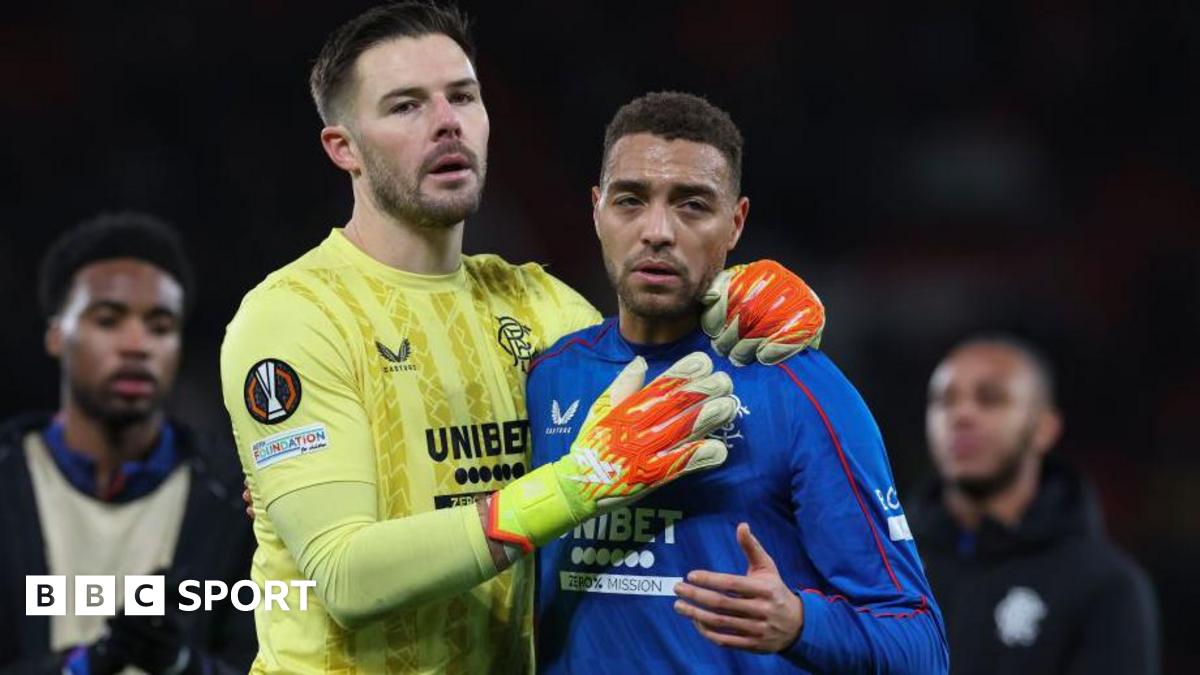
(106, 320)
(695, 205)
(462, 97)
(404, 107)
(627, 200)
(989, 398)
(162, 326)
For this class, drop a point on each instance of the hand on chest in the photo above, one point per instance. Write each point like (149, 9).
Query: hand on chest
(559, 405)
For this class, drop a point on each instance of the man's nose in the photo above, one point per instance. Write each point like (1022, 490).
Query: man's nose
(134, 338)
(658, 227)
(963, 414)
(445, 118)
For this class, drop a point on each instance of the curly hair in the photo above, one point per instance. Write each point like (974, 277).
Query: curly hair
(111, 235)
(676, 115)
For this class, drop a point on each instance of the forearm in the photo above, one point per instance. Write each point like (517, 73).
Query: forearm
(840, 638)
(364, 568)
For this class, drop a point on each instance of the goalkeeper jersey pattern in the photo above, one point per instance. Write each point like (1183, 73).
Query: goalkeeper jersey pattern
(806, 468)
(340, 368)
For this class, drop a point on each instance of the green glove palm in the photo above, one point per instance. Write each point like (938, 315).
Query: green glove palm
(635, 439)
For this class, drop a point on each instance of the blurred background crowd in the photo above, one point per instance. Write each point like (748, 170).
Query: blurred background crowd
(931, 169)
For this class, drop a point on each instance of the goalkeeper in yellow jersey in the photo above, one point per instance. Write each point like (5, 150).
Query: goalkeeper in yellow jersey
(376, 387)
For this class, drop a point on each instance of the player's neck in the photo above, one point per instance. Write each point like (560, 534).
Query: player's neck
(644, 330)
(1006, 506)
(108, 445)
(404, 246)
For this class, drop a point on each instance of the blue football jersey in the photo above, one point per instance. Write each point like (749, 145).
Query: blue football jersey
(806, 469)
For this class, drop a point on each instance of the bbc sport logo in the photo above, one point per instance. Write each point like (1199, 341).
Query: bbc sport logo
(145, 595)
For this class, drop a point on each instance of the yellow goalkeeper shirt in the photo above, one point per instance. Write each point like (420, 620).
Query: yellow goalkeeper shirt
(340, 368)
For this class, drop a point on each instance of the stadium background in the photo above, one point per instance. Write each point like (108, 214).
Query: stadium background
(930, 168)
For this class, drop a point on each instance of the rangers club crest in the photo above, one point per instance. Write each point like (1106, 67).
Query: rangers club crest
(1018, 617)
(513, 338)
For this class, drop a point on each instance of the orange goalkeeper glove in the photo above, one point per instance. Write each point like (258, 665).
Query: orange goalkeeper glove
(761, 310)
(635, 439)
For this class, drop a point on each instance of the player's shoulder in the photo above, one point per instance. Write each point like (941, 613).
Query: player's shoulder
(810, 364)
(290, 302)
(318, 262)
(493, 271)
(571, 346)
(811, 376)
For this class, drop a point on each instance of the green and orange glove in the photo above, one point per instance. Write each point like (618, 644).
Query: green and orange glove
(762, 311)
(635, 439)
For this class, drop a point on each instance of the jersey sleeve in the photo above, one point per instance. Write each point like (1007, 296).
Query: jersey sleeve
(293, 396)
(874, 611)
(566, 311)
(365, 567)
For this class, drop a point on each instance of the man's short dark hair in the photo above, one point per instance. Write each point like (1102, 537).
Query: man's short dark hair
(107, 237)
(675, 115)
(334, 68)
(1043, 367)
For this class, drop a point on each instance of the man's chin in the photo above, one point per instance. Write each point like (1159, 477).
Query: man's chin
(659, 306)
(449, 208)
(123, 412)
(982, 484)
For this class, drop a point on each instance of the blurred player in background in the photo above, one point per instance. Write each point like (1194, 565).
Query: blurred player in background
(1013, 537)
(807, 479)
(109, 485)
(376, 386)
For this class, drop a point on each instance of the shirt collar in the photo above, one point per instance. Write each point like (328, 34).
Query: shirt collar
(614, 345)
(131, 480)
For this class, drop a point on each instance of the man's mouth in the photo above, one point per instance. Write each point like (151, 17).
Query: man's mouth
(133, 384)
(451, 166)
(966, 447)
(655, 272)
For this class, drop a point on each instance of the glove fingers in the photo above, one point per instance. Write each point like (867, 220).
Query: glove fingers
(713, 415)
(745, 351)
(691, 367)
(771, 306)
(728, 337)
(711, 385)
(690, 457)
(700, 456)
(628, 381)
(719, 285)
(703, 415)
(682, 373)
(792, 338)
(771, 353)
(716, 303)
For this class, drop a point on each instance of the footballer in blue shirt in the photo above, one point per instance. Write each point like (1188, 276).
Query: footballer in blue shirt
(793, 556)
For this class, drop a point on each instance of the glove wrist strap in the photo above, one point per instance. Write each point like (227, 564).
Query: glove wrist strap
(532, 510)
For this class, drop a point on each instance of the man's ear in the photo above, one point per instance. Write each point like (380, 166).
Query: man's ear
(1048, 431)
(54, 338)
(339, 145)
(740, 212)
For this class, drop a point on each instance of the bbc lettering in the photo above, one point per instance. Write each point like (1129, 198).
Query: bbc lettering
(145, 595)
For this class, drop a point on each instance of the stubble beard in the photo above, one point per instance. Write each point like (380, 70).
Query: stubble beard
(400, 196)
(979, 488)
(656, 306)
(112, 415)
